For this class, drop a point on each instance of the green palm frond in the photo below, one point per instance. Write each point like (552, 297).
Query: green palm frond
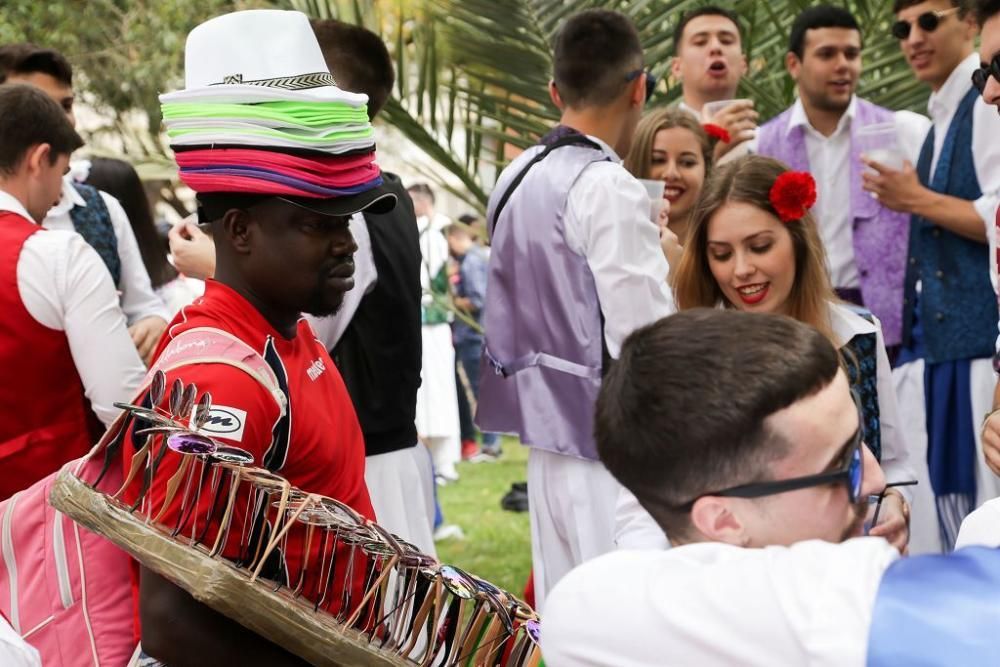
(473, 74)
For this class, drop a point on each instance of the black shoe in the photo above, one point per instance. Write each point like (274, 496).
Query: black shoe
(516, 500)
(519, 486)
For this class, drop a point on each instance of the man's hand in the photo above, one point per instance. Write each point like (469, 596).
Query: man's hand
(991, 434)
(738, 119)
(898, 189)
(193, 250)
(893, 524)
(146, 334)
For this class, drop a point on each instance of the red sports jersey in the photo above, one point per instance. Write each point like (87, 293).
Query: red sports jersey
(317, 446)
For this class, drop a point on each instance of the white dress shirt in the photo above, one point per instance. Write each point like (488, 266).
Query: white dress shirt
(138, 300)
(65, 286)
(607, 222)
(330, 329)
(829, 163)
(714, 604)
(636, 529)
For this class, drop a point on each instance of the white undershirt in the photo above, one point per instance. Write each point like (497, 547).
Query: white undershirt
(607, 221)
(14, 651)
(65, 286)
(138, 299)
(713, 604)
(330, 329)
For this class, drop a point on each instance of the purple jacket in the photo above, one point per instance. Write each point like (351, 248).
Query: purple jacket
(880, 236)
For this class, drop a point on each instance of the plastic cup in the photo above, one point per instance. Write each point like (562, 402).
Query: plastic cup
(879, 143)
(654, 188)
(709, 109)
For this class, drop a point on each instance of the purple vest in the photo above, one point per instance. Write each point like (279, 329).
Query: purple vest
(880, 236)
(542, 354)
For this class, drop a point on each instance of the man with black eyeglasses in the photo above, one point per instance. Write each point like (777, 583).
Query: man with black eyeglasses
(944, 381)
(739, 434)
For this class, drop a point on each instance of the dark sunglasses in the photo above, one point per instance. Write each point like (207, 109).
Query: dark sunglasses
(983, 74)
(850, 475)
(650, 81)
(928, 22)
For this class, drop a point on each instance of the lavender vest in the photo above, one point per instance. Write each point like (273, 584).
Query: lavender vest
(542, 354)
(880, 236)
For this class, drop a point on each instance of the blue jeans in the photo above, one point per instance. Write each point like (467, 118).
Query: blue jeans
(467, 353)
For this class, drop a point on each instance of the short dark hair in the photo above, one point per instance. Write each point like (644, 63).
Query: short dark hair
(358, 60)
(963, 5)
(592, 53)
(707, 10)
(421, 189)
(29, 117)
(814, 18)
(682, 412)
(985, 10)
(26, 58)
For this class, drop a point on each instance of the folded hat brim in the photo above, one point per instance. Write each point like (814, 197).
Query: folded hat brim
(376, 200)
(249, 94)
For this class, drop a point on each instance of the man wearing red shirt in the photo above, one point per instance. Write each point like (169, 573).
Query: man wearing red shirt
(277, 257)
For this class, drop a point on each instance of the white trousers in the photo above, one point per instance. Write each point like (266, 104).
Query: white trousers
(401, 486)
(437, 399)
(925, 537)
(571, 503)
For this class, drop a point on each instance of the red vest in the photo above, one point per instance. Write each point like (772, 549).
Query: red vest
(45, 419)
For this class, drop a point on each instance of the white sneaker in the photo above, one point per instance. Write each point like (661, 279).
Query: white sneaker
(448, 531)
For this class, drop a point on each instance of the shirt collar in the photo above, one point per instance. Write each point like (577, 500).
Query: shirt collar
(798, 117)
(945, 101)
(12, 204)
(684, 106)
(605, 147)
(846, 323)
(68, 198)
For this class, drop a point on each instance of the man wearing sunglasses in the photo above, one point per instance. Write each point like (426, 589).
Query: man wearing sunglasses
(943, 376)
(575, 267)
(739, 434)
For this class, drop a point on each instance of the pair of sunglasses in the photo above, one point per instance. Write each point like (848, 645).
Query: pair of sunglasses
(928, 22)
(983, 74)
(650, 81)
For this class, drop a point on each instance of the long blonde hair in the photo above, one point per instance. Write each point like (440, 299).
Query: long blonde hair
(749, 180)
(639, 160)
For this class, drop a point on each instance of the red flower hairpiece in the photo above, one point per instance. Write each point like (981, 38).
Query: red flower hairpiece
(717, 132)
(793, 194)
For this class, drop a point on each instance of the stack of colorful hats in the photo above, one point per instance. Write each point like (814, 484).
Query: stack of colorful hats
(261, 114)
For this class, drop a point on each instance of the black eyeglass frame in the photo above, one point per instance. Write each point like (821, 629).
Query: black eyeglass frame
(928, 22)
(982, 74)
(881, 497)
(650, 80)
(854, 458)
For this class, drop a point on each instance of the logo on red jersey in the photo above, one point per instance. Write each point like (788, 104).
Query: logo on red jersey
(225, 422)
(315, 369)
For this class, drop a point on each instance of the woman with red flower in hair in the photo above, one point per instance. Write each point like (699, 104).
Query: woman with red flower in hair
(670, 145)
(753, 245)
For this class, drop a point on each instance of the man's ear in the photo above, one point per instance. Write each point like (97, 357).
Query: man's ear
(238, 227)
(793, 65)
(554, 95)
(638, 94)
(37, 158)
(717, 519)
(675, 69)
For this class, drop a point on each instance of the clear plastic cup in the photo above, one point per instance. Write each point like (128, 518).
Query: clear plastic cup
(879, 143)
(709, 109)
(654, 188)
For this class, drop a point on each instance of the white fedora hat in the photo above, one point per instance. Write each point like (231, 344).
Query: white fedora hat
(259, 55)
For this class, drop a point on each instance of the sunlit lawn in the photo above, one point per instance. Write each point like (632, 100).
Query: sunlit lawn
(497, 544)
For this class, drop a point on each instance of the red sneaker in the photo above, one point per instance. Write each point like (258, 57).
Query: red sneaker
(469, 449)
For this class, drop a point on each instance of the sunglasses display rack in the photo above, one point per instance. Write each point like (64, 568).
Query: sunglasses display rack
(357, 593)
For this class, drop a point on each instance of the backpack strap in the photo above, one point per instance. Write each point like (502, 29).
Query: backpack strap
(574, 139)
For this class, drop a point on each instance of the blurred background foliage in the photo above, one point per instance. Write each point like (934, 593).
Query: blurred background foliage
(471, 74)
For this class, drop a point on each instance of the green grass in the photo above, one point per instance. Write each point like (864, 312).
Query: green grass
(497, 544)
